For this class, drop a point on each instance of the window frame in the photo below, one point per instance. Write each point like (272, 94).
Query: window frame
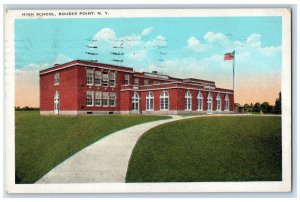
(127, 79)
(199, 100)
(104, 98)
(188, 101)
(92, 98)
(149, 101)
(227, 103)
(99, 99)
(112, 95)
(88, 72)
(112, 78)
(98, 76)
(219, 102)
(104, 76)
(56, 78)
(209, 101)
(164, 96)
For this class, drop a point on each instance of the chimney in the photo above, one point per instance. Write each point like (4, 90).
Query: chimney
(154, 72)
(56, 64)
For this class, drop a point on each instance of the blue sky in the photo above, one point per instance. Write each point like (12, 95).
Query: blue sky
(183, 47)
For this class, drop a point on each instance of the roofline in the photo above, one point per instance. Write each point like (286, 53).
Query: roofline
(86, 63)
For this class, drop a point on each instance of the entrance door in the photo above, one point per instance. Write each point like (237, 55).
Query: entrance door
(136, 103)
(56, 103)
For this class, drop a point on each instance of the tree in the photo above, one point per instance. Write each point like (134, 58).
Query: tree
(247, 107)
(256, 107)
(251, 107)
(277, 107)
(265, 107)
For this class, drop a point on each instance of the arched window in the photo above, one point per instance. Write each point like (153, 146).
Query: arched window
(188, 101)
(164, 101)
(200, 101)
(149, 101)
(219, 101)
(209, 102)
(226, 102)
(135, 102)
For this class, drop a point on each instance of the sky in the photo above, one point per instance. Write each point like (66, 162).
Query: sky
(182, 47)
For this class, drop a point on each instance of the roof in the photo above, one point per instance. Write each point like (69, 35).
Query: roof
(86, 63)
(237, 105)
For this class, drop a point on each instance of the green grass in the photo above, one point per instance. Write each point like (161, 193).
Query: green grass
(42, 142)
(206, 149)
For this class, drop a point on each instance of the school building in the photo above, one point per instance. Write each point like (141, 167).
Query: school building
(83, 87)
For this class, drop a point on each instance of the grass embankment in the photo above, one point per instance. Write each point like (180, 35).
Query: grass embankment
(209, 149)
(42, 142)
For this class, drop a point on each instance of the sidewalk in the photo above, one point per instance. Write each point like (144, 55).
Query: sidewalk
(104, 161)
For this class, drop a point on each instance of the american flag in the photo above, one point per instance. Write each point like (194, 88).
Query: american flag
(229, 56)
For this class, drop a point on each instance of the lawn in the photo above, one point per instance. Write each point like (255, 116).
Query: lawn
(42, 142)
(209, 149)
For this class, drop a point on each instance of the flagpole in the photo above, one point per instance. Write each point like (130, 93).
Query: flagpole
(233, 64)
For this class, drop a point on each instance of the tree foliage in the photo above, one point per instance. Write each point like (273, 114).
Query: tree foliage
(265, 107)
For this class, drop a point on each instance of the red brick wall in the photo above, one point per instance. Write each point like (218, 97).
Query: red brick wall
(67, 89)
(125, 100)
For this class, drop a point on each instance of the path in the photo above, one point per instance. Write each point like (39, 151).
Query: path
(104, 161)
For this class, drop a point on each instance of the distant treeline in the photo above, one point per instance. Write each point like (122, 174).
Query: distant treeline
(265, 107)
(26, 108)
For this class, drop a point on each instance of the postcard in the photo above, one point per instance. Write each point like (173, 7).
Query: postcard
(148, 100)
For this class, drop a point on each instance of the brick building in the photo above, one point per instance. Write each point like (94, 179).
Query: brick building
(83, 87)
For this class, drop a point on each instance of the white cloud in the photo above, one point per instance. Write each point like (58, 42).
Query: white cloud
(211, 37)
(61, 58)
(147, 31)
(105, 34)
(254, 40)
(195, 44)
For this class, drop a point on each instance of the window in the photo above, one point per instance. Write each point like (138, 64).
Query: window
(219, 101)
(209, 102)
(226, 102)
(112, 79)
(146, 82)
(200, 101)
(127, 79)
(89, 77)
(105, 99)
(154, 82)
(56, 78)
(98, 78)
(98, 98)
(188, 101)
(136, 81)
(105, 79)
(89, 98)
(149, 101)
(164, 101)
(135, 102)
(112, 101)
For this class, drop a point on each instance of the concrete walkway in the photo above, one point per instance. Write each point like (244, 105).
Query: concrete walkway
(104, 161)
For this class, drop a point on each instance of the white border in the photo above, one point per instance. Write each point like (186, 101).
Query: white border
(283, 186)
